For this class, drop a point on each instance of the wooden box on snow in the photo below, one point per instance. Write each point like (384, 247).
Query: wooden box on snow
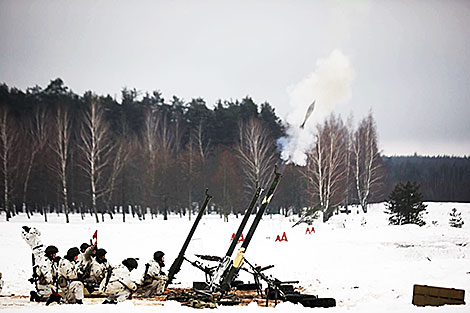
(437, 296)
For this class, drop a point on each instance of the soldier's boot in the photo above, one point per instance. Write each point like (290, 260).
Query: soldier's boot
(34, 297)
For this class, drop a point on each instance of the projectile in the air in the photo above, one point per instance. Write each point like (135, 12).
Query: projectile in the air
(309, 112)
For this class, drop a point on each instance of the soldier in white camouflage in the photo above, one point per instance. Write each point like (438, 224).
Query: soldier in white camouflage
(83, 248)
(96, 270)
(154, 279)
(118, 285)
(68, 279)
(44, 267)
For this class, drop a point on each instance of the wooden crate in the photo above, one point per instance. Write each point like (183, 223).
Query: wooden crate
(436, 296)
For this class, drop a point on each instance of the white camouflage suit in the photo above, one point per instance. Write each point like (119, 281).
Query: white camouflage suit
(44, 268)
(120, 285)
(87, 263)
(98, 271)
(73, 289)
(154, 282)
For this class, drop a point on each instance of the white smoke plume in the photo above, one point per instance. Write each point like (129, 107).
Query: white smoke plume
(329, 84)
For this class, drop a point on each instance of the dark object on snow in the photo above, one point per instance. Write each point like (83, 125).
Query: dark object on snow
(310, 301)
(200, 285)
(176, 266)
(209, 257)
(34, 297)
(130, 263)
(54, 297)
(284, 290)
(246, 286)
(436, 296)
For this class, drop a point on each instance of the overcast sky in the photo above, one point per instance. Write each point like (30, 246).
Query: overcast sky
(411, 59)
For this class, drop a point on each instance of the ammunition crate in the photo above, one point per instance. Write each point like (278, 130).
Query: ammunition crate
(436, 296)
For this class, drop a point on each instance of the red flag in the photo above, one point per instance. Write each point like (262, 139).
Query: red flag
(95, 237)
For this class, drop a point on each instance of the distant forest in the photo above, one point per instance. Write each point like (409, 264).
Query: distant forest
(441, 178)
(145, 155)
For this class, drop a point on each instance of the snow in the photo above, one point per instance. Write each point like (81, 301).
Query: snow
(358, 259)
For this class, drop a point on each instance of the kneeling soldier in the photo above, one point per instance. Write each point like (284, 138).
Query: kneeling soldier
(154, 279)
(118, 285)
(68, 277)
(97, 271)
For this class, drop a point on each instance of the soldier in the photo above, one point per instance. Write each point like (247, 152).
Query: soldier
(97, 271)
(154, 279)
(68, 277)
(83, 247)
(44, 266)
(85, 261)
(118, 285)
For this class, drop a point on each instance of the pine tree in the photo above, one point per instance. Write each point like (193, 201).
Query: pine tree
(406, 205)
(455, 219)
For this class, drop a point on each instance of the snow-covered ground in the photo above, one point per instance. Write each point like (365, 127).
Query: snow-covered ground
(358, 259)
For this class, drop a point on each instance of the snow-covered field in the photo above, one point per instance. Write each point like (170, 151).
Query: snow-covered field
(358, 259)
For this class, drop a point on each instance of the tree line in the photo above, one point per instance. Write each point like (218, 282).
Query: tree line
(145, 155)
(441, 178)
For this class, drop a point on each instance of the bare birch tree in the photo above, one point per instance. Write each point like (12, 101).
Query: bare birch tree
(96, 147)
(159, 142)
(36, 134)
(256, 152)
(60, 146)
(347, 160)
(8, 139)
(151, 127)
(326, 166)
(366, 161)
(165, 145)
(121, 156)
(187, 161)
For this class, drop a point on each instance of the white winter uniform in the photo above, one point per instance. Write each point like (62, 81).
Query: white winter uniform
(73, 289)
(120, 286)
(85, 261)
(81, 259)
(98, 271)
(44, 268)
(154, 281)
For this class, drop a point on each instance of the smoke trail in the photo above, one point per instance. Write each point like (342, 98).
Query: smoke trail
(329, 84)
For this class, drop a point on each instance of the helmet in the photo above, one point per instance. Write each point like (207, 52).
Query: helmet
(50, 250)
(83, 247)
(72, 253)
(100, 252)
(157, 256)
(130, 263)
